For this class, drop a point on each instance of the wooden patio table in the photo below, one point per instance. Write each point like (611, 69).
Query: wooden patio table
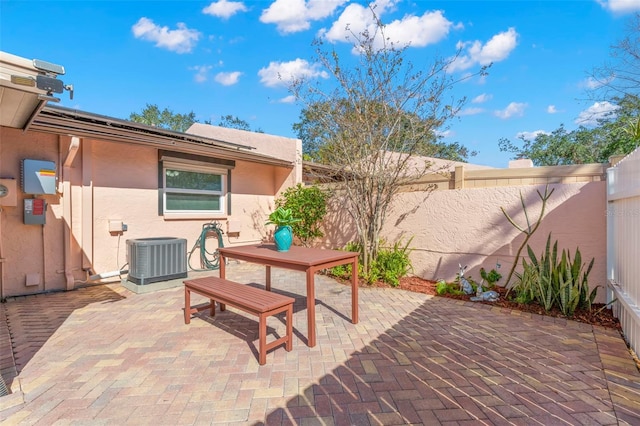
(308, 260)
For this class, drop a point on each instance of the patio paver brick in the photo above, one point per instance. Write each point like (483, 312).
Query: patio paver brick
(104, 355)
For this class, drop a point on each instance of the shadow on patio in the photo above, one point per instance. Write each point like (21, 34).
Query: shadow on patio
(451, 361)
(411, 359)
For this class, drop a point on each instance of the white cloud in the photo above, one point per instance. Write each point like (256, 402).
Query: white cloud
(445, 134)
(228, 78)
(180, 40)
(224, 9)
(593, 83)
(620, 6)
(551, 109)
(282, 73)
(529, 136)
(291, 16)
(202, 72)
(512, 110)
(481, 98)
(599, 110)
(495, 50)
(287, 100)
(417, 31)
(470, 111)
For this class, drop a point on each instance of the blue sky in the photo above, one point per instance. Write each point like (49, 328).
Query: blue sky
(224, 57)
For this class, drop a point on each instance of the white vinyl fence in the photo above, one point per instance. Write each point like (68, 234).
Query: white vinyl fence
(623, 244)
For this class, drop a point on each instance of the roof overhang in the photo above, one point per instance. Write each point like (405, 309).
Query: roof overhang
(18, 103)
(66, 121)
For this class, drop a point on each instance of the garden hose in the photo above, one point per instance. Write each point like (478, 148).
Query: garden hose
(208, 260)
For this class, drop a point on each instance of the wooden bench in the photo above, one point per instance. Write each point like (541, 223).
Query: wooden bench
(252, 300)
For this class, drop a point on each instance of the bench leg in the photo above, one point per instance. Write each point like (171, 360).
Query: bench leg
(188, 310)
(262, 346)
(287, 339)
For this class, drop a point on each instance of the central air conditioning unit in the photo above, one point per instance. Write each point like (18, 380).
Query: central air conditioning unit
(156, 259)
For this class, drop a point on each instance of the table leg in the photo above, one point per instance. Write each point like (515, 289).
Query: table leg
(354, 291)
(187, 306)
(267, 279)
(311, 308)
(222, 266)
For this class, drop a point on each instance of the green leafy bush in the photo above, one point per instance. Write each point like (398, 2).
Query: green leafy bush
(344, 271)
(525, 284)
(557, 283)
(309, 205)
(391, 264)
(443, 287)
(491, 277)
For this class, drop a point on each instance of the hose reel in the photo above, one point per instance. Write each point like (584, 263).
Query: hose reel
(209, 260)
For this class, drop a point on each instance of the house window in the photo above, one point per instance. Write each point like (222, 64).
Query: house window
(193, 186)
(191, 189)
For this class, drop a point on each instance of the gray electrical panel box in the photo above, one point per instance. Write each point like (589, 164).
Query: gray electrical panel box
(38, 177)
(35, 211)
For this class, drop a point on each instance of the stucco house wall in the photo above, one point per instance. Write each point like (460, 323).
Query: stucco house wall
(277, 146)
(107, 181)
(29, 249)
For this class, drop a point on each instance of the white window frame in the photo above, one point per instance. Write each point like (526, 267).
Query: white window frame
(197, 168)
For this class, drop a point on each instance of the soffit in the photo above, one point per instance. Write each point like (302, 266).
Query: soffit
(17, 102)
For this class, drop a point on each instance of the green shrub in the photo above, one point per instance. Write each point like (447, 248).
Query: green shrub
(552, 283)
(344, 271)
(391, 264)
(491, 277)
(443, 287)
(309, 205)
(525, 284)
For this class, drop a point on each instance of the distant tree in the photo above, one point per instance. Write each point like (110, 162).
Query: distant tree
(165, 119)
(618, 82)
(616, 134)
(621, 132)
(380, 105)
(558, 148)
(317, 143)
(234, 122)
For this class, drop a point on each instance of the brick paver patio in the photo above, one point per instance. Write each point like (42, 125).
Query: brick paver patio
(106, 355)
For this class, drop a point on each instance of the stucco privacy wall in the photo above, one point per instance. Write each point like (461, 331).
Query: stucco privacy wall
(110, 181)
(466, 226)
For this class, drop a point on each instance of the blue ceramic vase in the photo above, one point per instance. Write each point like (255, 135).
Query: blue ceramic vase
(283, 236)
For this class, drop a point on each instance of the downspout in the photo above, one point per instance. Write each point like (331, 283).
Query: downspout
(1, 249)
(1, 259)
(66, 208)
(86, 239)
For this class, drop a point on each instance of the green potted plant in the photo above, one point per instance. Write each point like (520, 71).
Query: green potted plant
(283, 235)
